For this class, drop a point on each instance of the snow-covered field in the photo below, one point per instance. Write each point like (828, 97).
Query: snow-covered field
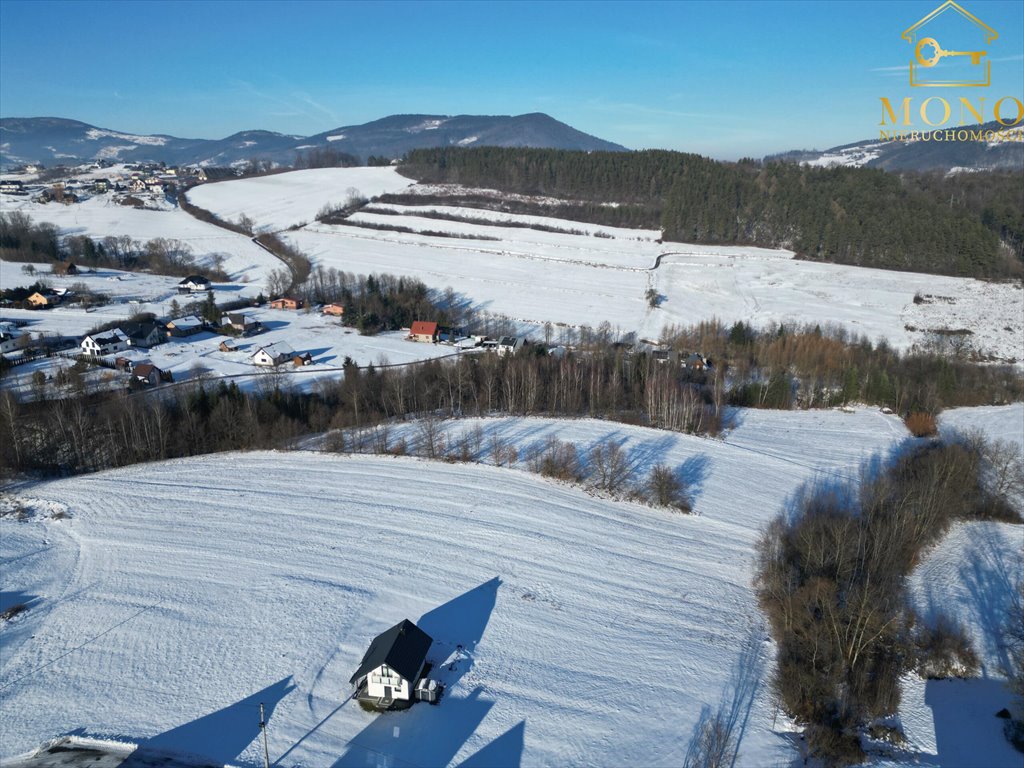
(99, 217)
(286, 199)
(177, 596)
(574, 280)
(584, 280)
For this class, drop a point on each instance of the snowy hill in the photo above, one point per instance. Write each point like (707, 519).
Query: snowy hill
(58, 141)
(569, 629)
(918, 155)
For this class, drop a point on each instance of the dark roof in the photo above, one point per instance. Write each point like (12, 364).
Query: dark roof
(194, 279)
(136, 330)
(403, 648)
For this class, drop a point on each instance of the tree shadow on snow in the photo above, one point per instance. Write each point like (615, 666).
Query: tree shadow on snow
(219, 737)
(692, 473)
(733, 713)
(967, 732)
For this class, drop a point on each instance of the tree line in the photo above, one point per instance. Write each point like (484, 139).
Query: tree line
(832, 580)
(860, 216)
(23, 240)
(599, 379)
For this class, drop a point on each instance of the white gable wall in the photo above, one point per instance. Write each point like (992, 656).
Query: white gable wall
(383, 676)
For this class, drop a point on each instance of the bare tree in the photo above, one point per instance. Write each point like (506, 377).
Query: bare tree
(610, 467)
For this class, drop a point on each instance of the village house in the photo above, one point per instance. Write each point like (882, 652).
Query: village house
(273, 355)
(194, 284)
(241, 323)
(696, 362)
(43, 299)
(143, 334)
(100, 186)
(423, 331)
(149, 375)
(104, 343)
(335, 310)
(12, 187)
(185, 326)
(509, 345)
(9, 340)
(392, 665)
(286, 302)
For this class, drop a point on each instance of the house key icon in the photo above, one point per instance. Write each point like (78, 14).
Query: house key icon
(939, 53)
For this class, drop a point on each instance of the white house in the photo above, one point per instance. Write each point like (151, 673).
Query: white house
(393, 663)
(9, 340)
(273, 355)
(194, 284)
(105, 343)
(509, 345)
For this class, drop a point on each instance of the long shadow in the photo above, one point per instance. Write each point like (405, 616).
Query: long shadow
(692, 473)
(967, 732)
(986, 574)
(219, 737)
(423, 736)
(506, 751)
(457, 627)
(718, 734)
(11, 601)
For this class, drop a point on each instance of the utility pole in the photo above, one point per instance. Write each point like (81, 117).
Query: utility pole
(263, 727)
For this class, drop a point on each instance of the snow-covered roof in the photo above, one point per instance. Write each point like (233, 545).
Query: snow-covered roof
(183, 323)
(276, 350)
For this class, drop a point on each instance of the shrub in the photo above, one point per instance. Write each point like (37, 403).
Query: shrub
(559, 460)
(664, 488)
(945, 651)
(921, 424)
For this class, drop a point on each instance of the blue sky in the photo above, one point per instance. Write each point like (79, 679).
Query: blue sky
(725, 79)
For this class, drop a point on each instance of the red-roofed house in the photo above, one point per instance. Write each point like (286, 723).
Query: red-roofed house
(423, 331)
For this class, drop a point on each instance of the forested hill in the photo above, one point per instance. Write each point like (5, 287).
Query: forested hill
(860, 216)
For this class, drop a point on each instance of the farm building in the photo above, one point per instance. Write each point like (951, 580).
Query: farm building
(393, 664)
(423, 331)
(64, 268)
(335, 310)
(286, 302)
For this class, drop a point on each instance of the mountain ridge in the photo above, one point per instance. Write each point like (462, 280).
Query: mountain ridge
(56, 140)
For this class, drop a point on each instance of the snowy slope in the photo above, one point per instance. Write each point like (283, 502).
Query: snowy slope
(283, 200)
(593, 632)
(99, 217)
(583, 280)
